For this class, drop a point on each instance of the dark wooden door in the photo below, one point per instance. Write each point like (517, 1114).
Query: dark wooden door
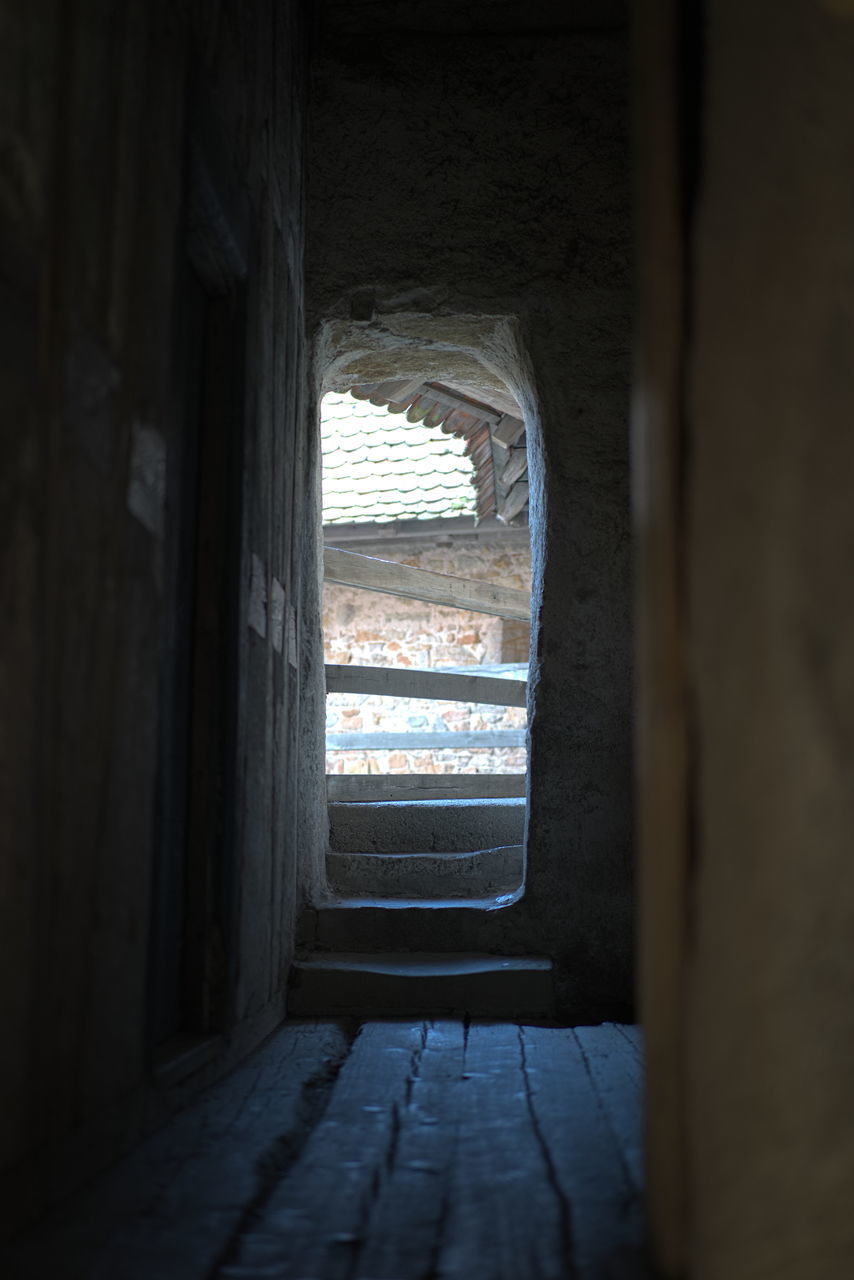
(192, 889)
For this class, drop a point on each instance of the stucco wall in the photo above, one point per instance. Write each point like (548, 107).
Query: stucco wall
(468, 216)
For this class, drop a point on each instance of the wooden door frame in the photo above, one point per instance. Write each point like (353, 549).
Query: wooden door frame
(200, 897)
(666, 110)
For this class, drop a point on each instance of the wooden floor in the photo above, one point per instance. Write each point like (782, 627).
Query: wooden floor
(394, 1150)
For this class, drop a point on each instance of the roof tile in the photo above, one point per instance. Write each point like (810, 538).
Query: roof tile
(379, 466)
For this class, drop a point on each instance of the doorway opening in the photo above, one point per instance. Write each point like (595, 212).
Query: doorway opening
(426, 615)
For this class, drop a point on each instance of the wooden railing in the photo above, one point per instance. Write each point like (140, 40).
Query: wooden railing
(446, 740)
(424, 786)
(399, 682)
(348, 568)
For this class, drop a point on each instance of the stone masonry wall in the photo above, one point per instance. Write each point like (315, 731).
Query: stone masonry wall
(368, 629)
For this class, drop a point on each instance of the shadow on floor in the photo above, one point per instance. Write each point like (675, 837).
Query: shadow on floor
(387, 1150)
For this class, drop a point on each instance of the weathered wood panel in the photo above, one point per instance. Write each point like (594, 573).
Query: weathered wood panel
(350, 569)
(400, 682)
(767, 462)
(662, 712)
(96, 385)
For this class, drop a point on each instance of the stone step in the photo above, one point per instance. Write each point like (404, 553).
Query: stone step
(419, 826)
(367, 923)
(413, 984)
(485, 873)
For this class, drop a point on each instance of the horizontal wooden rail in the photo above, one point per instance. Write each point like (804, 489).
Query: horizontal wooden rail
(424, 786)
(350, 569)
(449, 741)
(400, 682)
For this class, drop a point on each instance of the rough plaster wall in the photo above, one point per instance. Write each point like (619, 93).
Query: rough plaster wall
(468, 194)
(91, 170)
(772, 457)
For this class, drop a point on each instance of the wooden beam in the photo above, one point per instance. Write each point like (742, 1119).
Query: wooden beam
(508, 431)
(449, 741)
(500, 401)
(350, 569)
(457, 400)
(399, 393)
(364, 535)
(399, 682)
(516, 499)
(424, 786)
(665, 729)
(515, 466)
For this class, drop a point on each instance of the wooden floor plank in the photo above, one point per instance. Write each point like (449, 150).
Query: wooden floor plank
(414, 1190)
(618, 1078)
(585, 1154)
(314, 1222)
(634, 1034)
(440, 1152)
(507, 1219)
(169, 1209)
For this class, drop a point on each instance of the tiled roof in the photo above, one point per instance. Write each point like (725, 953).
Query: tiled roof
(489, 432)
(379, 466)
